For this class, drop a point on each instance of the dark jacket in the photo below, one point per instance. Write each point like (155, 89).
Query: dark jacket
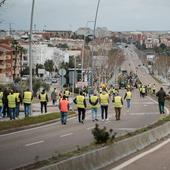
(161, 95)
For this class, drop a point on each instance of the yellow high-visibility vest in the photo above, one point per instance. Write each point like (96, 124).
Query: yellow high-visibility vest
(143, 90)
(11, 100)
(104, 99)
(27, 97)
(129, 95)
(80, 101)
(1, 96)
(17, 96)
(67, 93)
(43, 97)
(93, 100)
(118, 103)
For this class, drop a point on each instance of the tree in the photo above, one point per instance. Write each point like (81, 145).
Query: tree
(49, 65)
(163, 46)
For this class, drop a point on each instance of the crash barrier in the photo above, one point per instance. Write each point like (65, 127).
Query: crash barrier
(102, 157)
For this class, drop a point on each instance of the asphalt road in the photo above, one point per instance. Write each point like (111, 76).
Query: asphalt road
(26, 146)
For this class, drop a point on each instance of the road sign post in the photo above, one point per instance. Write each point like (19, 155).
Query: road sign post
(62, 73)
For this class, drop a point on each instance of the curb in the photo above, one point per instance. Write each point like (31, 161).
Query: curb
(102, 157)
(32, 126)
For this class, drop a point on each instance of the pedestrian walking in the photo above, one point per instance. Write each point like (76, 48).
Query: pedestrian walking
(27, 100)
(118, 103)
(104, 102)
(64, 108)
(161, 100)
(94, 101)
(1, 102)
(153, 88)
(67, 93)
(128, 97)
(19, 101)
(5, 103)
(143, 91)
(81, 107)
(54, 96)
(43, 97)
(12, 100)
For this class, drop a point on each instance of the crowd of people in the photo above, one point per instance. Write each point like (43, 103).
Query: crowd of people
(10, 101)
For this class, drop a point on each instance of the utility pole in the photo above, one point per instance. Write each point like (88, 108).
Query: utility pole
(30, 45)
(94, 35)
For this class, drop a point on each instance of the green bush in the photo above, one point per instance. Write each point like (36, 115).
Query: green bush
(101, 135)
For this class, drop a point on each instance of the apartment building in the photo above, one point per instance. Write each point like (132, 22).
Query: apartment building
(6, 62)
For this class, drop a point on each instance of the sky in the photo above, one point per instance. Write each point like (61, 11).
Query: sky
(116, 15)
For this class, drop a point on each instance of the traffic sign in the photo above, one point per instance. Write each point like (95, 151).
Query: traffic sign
(62, 72)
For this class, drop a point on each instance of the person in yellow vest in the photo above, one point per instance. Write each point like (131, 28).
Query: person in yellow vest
(153, 88)
(94, 101)
(104, 102)
(19, 101)
(1, 102)
(118, 104)
(128, 97)
(43, 100)
(27, 100)
(143, 91)
(66, 93)
(81, 107)
(12, 100)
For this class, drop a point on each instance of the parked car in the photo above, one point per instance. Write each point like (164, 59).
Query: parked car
(25, 77)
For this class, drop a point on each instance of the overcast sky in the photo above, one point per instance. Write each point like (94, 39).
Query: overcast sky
(116, 15)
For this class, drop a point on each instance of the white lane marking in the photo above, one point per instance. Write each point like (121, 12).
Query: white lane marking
(34, 143)
(31, 129)
(108, 122)
(91, 128)
(130, 161)
(167, 110)
(145, 113)
(68, 134)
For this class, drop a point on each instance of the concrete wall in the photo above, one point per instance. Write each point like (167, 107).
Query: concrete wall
(101, 157)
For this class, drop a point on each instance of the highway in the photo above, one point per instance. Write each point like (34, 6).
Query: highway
(24, 147)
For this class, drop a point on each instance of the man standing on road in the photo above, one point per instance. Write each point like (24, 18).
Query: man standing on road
(19, 101)
(64, 108)
(118, 104)
(81, 106)
(27, 99)
(54, 96)
(104, 101)
(12, 100)
(94, 100)
(161, 100)
(43, 100)
(128, 97)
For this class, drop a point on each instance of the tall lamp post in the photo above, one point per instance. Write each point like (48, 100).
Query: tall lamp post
(30, 45)
(83, 51)
(94, 30)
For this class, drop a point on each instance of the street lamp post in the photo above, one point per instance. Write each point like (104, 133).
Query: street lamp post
(94, 30)
(83, 51)
(30, 46)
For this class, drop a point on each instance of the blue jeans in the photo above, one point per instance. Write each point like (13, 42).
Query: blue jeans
(1, 110)
(17, 110)
(12, 113)
(128, 101)
(94, 113)
(63, 118)
(27, 109)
